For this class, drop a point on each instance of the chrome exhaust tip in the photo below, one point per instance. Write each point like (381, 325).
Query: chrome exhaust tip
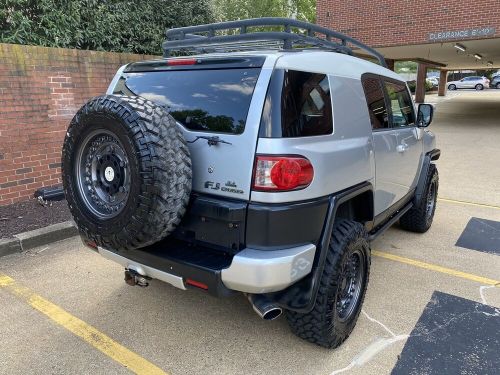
(264, 308)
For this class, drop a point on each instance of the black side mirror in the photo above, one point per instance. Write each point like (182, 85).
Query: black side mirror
(425, 114)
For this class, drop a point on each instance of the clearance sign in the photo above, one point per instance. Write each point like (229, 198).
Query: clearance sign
(461, 34)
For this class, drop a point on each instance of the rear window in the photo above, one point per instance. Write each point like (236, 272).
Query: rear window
(205, 100)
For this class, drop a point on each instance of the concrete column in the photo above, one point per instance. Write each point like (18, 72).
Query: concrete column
(390, 64)
(420, 89)
(443, 76)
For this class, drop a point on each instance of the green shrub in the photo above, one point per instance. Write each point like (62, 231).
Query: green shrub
(428, 86)
(413, 84)
(109, 25)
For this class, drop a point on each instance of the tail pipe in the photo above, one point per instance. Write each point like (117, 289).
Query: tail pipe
(264, 308)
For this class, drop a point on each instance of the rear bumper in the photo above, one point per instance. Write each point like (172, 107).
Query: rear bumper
(250, 271)
(144, 270)
(261, 271)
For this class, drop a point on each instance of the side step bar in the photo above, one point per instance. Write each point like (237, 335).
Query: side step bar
(381, 229)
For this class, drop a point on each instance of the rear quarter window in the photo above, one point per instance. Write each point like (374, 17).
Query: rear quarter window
(298, 104)
(210, 100)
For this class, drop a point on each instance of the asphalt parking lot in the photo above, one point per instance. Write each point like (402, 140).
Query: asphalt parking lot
(431, 307)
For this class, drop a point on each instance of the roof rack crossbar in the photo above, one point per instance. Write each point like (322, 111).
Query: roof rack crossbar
(205, 38)
(196, 41)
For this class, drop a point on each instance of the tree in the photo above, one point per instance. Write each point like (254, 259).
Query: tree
(229, 10)
(406, 67)
(110, 25)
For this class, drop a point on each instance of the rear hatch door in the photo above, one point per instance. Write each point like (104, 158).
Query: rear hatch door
(217, 102)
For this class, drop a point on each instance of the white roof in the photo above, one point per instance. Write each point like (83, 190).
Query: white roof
(338, 64)
(317, 61)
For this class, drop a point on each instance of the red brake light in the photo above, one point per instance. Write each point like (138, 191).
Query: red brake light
(176, 62)
(282, 173)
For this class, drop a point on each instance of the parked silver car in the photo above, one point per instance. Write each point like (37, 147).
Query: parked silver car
(495, 82)
(472, 82)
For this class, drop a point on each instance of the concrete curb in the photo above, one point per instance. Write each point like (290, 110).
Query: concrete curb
(9, 246)
(38, 237)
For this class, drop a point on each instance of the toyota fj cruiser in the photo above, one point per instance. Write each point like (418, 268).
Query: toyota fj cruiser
(253, 161)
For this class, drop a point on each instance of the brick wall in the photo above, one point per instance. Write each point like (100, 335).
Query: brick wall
(399, 22)
(40, 90)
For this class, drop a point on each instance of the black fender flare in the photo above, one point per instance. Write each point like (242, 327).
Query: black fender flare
(428, 158)
(301, 296)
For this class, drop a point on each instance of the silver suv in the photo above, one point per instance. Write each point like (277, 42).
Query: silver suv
(472, 82)
(265, 164)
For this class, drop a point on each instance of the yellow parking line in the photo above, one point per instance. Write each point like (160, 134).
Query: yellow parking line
(86, 332)
(435, 267)
(468, 203)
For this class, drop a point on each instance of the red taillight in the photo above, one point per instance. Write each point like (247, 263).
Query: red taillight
(175, 62)
(196, 284)
(282, 173)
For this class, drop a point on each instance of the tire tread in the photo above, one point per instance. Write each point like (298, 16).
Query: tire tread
(164, 166)
(317, 325)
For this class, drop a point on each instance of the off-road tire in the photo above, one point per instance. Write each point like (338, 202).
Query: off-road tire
(452, 87)
(479, 87)
(159, 170)
(322, 325)
(419, 218)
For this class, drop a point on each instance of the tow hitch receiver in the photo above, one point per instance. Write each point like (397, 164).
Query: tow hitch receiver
(134, 278)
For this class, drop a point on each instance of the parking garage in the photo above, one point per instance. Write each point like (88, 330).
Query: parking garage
(447, 36)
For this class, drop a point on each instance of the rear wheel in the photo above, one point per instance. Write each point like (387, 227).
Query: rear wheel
(452, 87)
(126, 172)
(479, 87)
(341, 291)
(419, 218)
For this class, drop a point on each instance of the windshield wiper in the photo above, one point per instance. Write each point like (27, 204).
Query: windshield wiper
(212, 141)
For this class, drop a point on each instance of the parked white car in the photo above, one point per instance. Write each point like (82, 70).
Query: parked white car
(433, 80)
(472, 82)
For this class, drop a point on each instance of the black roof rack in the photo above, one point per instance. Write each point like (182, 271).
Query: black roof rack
(236, 36)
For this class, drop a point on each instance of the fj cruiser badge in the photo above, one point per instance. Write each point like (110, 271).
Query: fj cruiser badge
(230, 187)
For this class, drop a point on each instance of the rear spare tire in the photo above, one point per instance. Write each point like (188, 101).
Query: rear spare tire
(126, 172)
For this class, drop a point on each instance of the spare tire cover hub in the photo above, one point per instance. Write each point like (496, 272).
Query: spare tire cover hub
(103, 175)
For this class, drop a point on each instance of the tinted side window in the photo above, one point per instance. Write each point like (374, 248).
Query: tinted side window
(376, 103)
(215, 100)
(305, 105)
(401, 104)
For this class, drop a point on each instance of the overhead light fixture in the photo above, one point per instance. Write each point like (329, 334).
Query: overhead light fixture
(460, 47)
(478, 56)
(489, 63)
